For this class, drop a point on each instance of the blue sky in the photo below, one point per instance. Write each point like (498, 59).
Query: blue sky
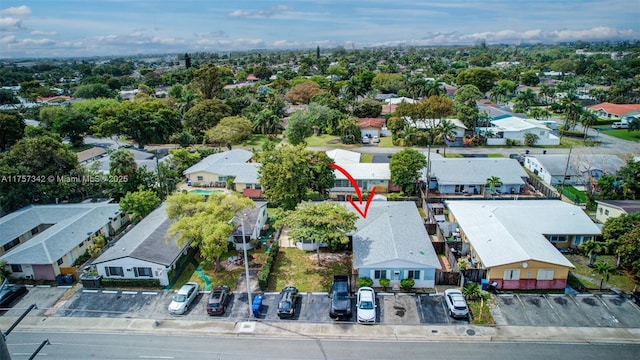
(48, 28)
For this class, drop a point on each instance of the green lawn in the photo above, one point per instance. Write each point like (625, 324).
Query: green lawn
(81, 148)
(620, 278)
(300, 269)
(481, 315)
(624, 134)
(324, 140)
(259, 139)
(575, 195)
(385, 142)
(366, 158)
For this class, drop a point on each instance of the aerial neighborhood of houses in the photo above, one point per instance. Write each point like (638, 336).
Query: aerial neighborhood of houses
(447, 189)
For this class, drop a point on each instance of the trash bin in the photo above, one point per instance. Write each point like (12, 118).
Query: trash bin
(60, 280)
(91, 282)
(484, 284)
(255, 306)
(68, 280)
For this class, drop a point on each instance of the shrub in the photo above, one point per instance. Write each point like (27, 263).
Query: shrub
(472, 291)
(462, 264)
(82, 258)
(384, 282)
(263, 275)
(364, 281)
(407, 284)
(115, 283)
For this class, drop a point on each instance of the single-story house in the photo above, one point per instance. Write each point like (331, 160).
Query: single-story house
(254, 222)
(142, 159)
(614, 208)
(515, 128)
(518, 242)
(469, 175)
(370, 127)
(614, 111)
(144, 251)
(459, 131)
(578, 169)
(41, 242)
(214, 170)
(91, 154)
(367, 175)
(392, 242)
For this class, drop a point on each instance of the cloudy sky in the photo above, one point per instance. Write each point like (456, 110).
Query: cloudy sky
(48, 28)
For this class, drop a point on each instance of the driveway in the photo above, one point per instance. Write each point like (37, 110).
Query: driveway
(433, 310)
(566, 311)
(44, 297)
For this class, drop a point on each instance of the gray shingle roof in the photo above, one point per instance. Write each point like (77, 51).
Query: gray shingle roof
(476, 170)
(392, 231)
(629, 206)
(215, 163)
(72, 223)
(146, 241)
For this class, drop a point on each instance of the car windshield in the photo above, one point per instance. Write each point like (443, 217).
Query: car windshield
(179, 298)
(366, 305)
(284, 305)
(341, 295)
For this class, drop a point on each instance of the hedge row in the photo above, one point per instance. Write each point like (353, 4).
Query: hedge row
(111, 282)
(263, 275)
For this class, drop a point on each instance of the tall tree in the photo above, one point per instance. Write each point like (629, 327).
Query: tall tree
(318, 222)
(209, 80)
(288, 173)
(493, 182)
(72, 124)
(205, 115)
(483, 78)
(406, 167)
(231, 130)
(11, 129)
(139, 204)
(205, 225)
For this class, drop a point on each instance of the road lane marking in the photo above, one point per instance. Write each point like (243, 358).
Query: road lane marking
(149, 293)
(155, 357)
(90, 291)
(129, 292)
(109, 292)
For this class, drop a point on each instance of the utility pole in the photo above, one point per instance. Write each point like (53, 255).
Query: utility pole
(564, 176)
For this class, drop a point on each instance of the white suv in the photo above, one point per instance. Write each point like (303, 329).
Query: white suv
(456, 304)
(183, 298)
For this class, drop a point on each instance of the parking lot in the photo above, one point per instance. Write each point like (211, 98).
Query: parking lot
(566, 310)
(510, 309)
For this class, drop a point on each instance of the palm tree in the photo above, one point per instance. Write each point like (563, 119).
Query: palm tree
(416, 87)
(527, 99)
(588, 119)
(434, 88)
(604, 270)
(407, 135)
(539, 113)
(446, 132)
(492, 183)
(186, 101)
(498, 93)
(572, 109)
(592, 248)
(547, 92)
(266, 122)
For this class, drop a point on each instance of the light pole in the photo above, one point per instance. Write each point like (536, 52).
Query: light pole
(246, 263)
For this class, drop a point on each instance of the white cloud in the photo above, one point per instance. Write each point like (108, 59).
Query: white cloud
(266, 12)
(43, 33)
(18, 11)
(7, 39)
(10, 24)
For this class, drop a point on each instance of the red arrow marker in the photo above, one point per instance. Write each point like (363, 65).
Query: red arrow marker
(355, 186)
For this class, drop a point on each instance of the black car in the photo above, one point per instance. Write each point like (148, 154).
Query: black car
(11, 293)
(287, 303)
(218, 300)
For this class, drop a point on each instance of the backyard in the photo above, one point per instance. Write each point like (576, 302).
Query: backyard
(300, 269)
(619, 278)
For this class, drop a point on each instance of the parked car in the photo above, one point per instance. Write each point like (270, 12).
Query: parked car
(183, 298)
(340, 297)
(456, 303)
(218, 300)
(376, 139)
(366, 305)
(287, 303)
(11, 293)
(365, 140)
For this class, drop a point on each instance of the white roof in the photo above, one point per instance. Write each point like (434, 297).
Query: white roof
(399, 100)
(216, 163)
(365, 171)
(70, 225)
(454, 171)
(517, 124)
(505, 232)
(344, 156)
(428, 123)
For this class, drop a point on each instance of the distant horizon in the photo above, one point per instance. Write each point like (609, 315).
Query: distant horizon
(35, 29)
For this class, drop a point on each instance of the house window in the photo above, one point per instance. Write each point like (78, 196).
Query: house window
(16, 268)
(199, 178)
(247, 186)
(600, 210)
(60, 261)
(545, 275)
(380, 274)
(143, 271)
(511, 275)
(258, 187)
(558, 238)
(568, 177)
(606, 212)
(34, 231)
(81, 244)
(11, 244)
(114, 271)
(413, 274)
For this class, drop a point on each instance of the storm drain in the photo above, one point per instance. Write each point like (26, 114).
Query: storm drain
(471, 332)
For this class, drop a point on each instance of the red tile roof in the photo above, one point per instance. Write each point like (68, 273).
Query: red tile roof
(616, 109)
(377, 123)
(252, 77)
(252, 193)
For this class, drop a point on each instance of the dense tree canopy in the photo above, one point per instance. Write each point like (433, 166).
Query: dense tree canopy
(288, 173)
(11, 128)
(205, 115)
(406, 167)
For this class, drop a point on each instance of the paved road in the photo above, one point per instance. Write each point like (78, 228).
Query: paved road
(87, 345)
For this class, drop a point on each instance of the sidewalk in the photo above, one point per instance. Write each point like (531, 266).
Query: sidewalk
(345, 331)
